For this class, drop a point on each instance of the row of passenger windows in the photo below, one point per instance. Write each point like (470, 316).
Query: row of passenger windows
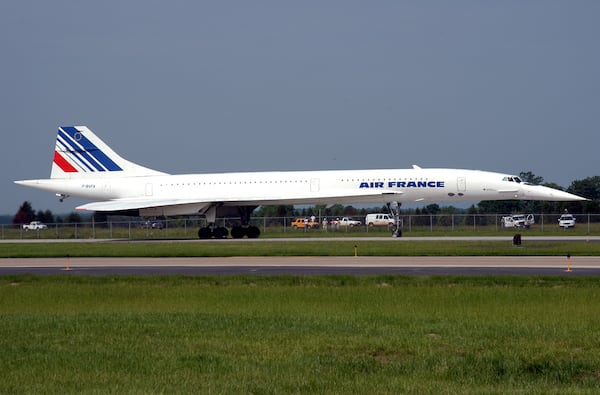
(193, 184)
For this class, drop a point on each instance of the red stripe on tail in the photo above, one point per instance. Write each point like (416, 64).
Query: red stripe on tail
(63, 164)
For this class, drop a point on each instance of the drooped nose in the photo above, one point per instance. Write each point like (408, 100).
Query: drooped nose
(539, 192)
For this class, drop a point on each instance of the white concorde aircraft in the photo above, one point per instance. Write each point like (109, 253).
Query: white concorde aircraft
(85, 166)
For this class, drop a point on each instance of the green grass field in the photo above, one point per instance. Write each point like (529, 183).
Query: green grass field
(289, 334)
(271, 335)
(297, 248)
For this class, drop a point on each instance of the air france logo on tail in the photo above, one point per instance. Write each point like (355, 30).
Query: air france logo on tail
(76, 153)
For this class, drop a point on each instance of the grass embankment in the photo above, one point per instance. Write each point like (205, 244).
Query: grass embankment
(297, 248)
(268, 335)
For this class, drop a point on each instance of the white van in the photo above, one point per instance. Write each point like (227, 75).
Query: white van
(378, 219)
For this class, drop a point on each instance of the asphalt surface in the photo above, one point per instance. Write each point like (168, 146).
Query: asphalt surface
(579, 266)
(512, 265)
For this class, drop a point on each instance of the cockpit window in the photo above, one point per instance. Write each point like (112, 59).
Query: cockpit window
(512, 179)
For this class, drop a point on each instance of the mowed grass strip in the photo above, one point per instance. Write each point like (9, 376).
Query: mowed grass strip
(297, 248)
(271, 335)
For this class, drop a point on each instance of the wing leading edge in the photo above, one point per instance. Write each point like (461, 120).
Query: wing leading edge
(329, 197)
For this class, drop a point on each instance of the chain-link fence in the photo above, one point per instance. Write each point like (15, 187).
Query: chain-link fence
(416, 225)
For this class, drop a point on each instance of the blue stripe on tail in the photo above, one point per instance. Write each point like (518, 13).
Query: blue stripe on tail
(82, 147)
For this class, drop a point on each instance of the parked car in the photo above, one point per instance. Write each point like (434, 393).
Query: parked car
(518, 221)
(566, 221)
(378, 219)
(153, 225)
(35, 225)
(347, 221)
(299, 223)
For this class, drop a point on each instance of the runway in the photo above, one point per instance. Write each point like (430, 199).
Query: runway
(361, 265)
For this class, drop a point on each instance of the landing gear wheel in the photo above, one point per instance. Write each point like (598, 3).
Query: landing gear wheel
(237, 232)
(220, 233)
(252, 232)
(204, 233)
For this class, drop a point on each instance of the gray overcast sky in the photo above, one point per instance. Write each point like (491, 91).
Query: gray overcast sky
(194, 86)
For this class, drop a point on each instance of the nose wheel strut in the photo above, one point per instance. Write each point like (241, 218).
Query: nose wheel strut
(394, 209)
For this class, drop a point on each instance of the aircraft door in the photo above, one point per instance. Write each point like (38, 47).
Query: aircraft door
(315, 184)
(149, 189)
(461, 184)
(106, 189)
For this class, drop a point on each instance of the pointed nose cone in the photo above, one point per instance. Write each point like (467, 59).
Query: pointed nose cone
(538, 192)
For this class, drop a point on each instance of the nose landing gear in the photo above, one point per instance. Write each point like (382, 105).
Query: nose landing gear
(394, 209)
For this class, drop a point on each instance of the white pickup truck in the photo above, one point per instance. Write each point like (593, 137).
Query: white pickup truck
(35, 225)
(518, 221)
(347, 221)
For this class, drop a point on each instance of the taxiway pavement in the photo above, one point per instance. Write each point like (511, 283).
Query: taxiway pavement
(352, 265)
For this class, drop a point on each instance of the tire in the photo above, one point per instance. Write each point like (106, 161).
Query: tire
(204, 233)
(237, 232)
(220, 233)
(253, 232)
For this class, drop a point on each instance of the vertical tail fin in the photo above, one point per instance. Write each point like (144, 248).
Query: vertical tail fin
(79, 153)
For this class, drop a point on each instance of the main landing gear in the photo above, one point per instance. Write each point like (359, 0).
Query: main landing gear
(394, 209)
(209, 232)
(237, 232)
(220, 232)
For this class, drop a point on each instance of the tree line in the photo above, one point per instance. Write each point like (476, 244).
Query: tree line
(26, 214)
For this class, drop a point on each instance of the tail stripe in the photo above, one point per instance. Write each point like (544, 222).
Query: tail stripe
(81, 145)
(63, 164)
(83, 151)
(76, 154)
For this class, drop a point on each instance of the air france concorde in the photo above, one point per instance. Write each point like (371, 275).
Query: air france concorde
(85, 166)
